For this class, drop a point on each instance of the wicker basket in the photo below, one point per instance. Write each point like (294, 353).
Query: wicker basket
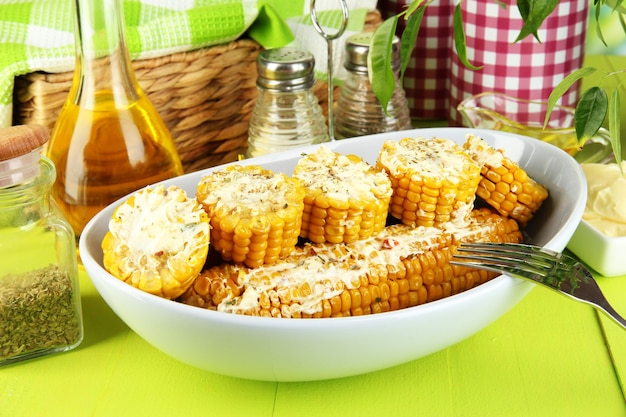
(205, 97)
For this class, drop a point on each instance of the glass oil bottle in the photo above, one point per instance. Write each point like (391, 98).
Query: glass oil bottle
(109, 140)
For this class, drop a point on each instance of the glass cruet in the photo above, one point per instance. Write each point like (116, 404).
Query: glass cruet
(109, 140)
(40, 307)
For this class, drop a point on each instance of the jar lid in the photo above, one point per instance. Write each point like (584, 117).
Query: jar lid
(357, 48)
(285, 69)
(19, 140)
(20, 152)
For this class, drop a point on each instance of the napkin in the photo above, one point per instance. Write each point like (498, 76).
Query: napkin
(38, 35)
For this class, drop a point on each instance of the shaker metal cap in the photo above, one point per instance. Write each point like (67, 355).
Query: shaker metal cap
(285, 69)
(357, 48)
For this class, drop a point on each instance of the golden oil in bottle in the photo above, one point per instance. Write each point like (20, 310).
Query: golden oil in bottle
(106, 152)
(109, 140)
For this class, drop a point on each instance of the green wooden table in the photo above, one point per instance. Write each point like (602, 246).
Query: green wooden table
(547, 356)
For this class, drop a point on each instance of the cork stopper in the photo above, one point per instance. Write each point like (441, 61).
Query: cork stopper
(20, 153)
(16, 141)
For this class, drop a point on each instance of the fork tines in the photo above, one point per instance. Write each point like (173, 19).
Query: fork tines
(510, 258)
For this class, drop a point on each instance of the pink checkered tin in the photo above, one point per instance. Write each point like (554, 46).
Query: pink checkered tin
(426, 79)
(436, 81)
(526, 69)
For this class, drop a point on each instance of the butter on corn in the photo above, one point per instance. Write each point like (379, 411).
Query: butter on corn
(400, 267)
(346, 198)
(158, 241)
(434, 180)
(504, 185)
(255, 214)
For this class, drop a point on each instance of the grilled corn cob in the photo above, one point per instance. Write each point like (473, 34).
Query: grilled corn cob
(504, 185)
(157, 241)
(434, 180)
(400, 267)
(255, 214)
(346, 198)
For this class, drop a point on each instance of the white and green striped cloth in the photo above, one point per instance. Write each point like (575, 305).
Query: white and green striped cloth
(37, 35)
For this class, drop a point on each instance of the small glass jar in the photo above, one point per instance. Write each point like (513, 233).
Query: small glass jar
(287, 113)
(40, 308)
(358, 111)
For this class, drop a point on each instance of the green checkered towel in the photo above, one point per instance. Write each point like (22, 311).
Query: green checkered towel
(37, 35)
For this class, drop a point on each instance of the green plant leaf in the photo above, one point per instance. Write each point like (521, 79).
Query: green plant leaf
(409, 36)
(615, 127)
(622, 21)
(413, 6)
(599, 34)
(459, 38)
(590, 113)
(563, 87)
(379, 61)
(615, 5)
(533, 13)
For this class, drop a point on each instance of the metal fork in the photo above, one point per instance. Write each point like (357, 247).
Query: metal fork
(554, 270)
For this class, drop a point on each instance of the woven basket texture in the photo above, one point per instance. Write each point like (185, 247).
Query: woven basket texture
(205, 97)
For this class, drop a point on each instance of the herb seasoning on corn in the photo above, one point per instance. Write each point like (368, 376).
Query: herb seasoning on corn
(402, 266)
(346, 198)
(255, 214)
(504, 185)
(434, 180)
(158, 241)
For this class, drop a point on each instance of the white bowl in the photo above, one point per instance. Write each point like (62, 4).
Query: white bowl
(313, 349)
(602, 253)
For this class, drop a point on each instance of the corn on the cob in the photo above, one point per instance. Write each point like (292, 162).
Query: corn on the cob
(400, 267)
(255, 214)
(346, 198)
(504, 185)
(434, 180)
(157, 241)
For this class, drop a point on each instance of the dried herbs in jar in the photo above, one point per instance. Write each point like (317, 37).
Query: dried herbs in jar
(37, 312)
(40, 311)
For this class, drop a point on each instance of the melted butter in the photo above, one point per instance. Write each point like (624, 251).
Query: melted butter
(159, 220)
(434, 157)
(233, 191)
(342, 178)
(327, 269)
(606, 199)
(482, 152)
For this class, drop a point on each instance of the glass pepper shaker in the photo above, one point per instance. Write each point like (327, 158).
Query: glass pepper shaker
(40, 308)
(287, 113)
(358, 111)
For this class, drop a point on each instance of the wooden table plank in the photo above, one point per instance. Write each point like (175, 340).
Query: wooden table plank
(545, 357)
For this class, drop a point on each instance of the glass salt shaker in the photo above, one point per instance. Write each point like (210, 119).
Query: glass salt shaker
(40, 308)
(287, 113)
(358, 111)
